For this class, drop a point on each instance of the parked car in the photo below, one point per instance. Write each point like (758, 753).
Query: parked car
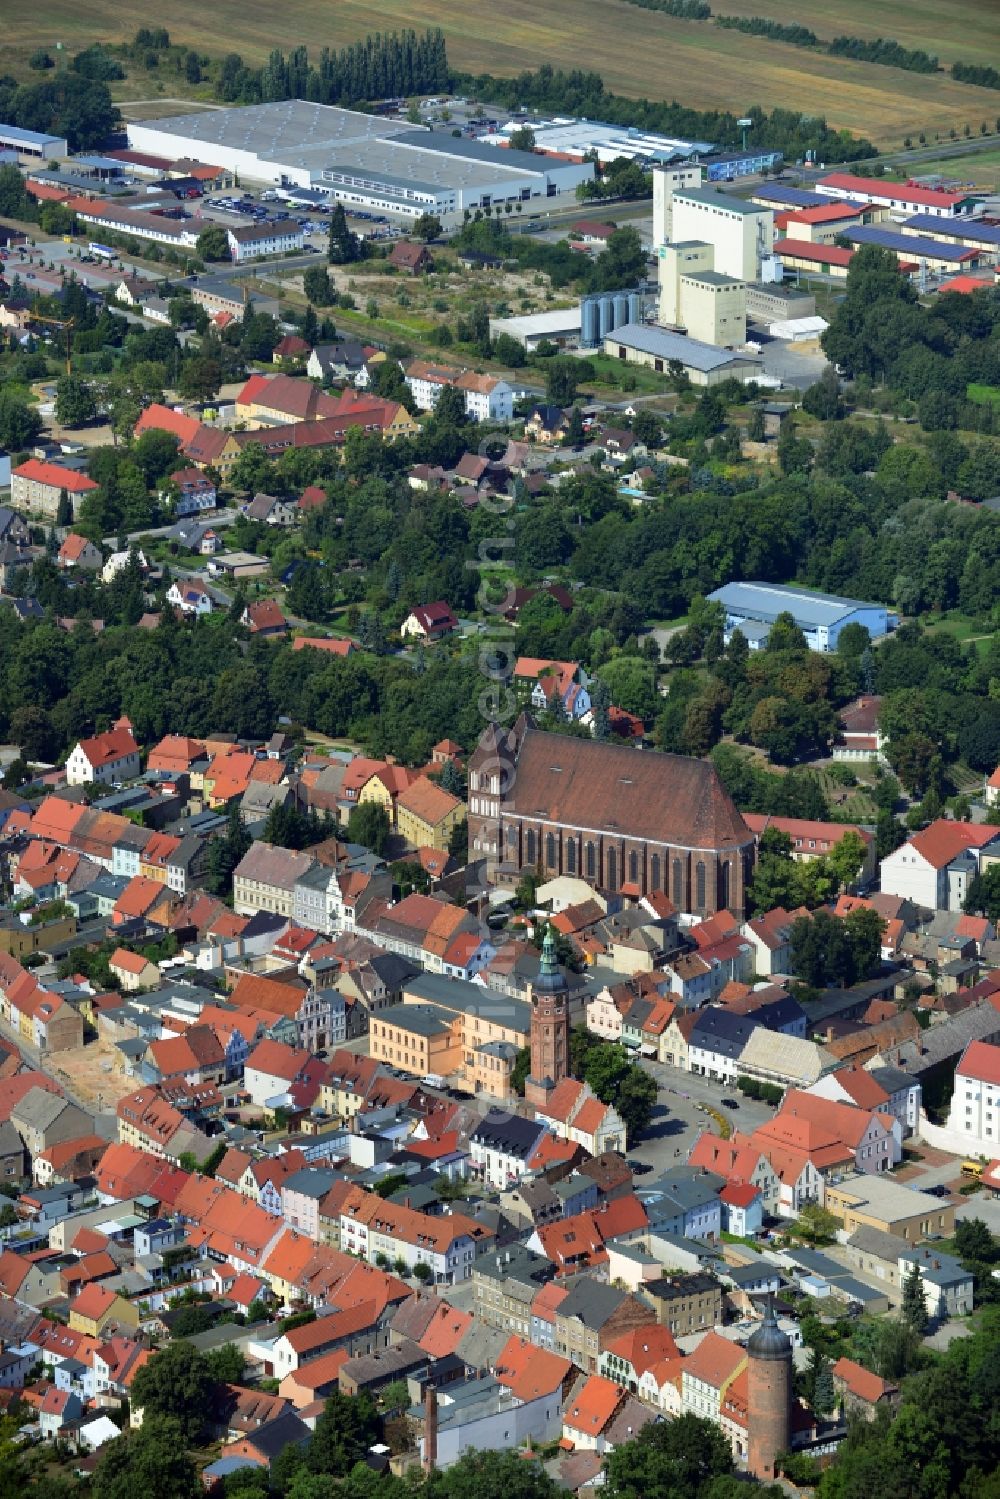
(729, 1103)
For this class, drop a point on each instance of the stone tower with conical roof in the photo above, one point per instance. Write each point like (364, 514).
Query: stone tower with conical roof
(769, 1395)
(549, 1027)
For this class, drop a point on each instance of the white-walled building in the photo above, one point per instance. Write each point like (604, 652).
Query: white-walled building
(360, 159)
(113, 756)
(935, 866)
(741, 233)
(252, 241)
(974, 1115)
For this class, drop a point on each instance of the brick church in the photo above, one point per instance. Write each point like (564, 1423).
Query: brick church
(628, 822)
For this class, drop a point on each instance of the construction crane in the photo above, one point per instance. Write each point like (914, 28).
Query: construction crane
(65, 323)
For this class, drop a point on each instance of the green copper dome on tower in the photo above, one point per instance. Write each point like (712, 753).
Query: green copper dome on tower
(550, 978)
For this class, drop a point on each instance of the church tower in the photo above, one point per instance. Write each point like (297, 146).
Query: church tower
(549, 1027)
(769, 1396)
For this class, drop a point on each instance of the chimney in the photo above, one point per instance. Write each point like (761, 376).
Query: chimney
(430, 1429)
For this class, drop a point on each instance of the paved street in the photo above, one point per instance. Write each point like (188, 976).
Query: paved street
(678, 1121)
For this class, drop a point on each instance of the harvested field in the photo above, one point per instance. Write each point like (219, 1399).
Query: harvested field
(652, 55)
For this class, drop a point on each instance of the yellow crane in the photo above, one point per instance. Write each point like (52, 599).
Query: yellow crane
(65, 323)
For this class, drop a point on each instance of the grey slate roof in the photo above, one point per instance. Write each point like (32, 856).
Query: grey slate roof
(662, 344)
(591, 1301)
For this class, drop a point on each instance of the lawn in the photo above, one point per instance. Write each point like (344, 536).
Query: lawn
(638, 52)
(980, 169)
(961, 627)
(984, 395)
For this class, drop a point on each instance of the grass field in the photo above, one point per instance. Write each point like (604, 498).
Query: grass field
(638, 52)
(979, 169)
(953, 30)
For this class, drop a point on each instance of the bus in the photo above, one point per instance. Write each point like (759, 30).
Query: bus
(104, 252)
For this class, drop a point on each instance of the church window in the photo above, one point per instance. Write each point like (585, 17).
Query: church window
(550, 850)
(611, 864)
(529, 846)
(654, 872)
(700, 884)
(591, 861)
(571, 857)
(633, 867)
(678, 896)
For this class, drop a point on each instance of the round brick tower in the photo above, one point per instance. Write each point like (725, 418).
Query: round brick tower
(769, 1396)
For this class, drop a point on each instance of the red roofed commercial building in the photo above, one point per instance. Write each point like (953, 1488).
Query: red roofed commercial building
(934, 867)
(109, 757)
(904, 198)
(37, 487)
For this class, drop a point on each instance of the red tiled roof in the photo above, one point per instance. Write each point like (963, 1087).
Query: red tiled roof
(528, 1371)
(898, 192)
(980, 1061)
(53, 474)
(594, 1405)
(945, 840)
(860, 1381)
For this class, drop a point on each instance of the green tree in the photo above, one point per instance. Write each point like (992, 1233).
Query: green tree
(816, 1224)
(522, 139)
(75, 403)
(914, 1307)
(635, 1101)
(213, 243)
(520, 1070)
(152, 1460)
(225, 852)
(368, 824)
(823, 400)
(318, 287)
(672, 1460)
(427, 227)
(343, 246)
(343, 1434)
(176, 1384)
(983, 895)
(20, 423)
(199, 379)
(974, 1241)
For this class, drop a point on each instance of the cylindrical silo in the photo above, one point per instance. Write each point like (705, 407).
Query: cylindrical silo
(621, 310)
(589, 323)
(634, 307)
(606, 311)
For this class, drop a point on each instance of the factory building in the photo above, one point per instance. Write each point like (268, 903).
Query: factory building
(32, 146)
(365, 161)
(579, 138)
(900, 198)
(752, 608)
(741, 233)
(938, 255)
(561, 327)
(660, 349)
(693, 296)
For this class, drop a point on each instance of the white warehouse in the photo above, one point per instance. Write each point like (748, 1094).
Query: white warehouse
(752, 609)
(366, 161)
